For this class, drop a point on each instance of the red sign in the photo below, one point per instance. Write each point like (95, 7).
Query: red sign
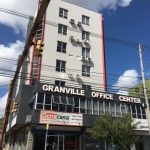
(48, 115)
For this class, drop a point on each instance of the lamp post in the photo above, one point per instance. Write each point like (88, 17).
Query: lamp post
(47, 128)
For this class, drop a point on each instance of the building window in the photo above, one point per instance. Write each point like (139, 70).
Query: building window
(78, 104)
(85, 20)
(62, 29)
(61, 47)
(87, 87)
(85, 52)
(86, 71)
(85, 35)
(59, 83)
(63, 13)
(60, 65)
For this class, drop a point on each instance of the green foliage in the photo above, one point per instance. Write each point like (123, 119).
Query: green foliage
(118, 131)
(1, 122)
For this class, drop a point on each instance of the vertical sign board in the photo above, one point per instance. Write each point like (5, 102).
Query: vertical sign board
(14, 121)
(60, 118)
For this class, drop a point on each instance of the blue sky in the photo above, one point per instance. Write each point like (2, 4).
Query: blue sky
(126, 20)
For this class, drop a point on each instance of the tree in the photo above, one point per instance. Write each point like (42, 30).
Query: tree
(117, 131)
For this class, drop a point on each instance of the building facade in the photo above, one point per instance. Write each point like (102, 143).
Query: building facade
(66, 86)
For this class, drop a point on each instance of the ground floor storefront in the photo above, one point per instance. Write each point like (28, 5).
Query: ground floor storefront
(62, 138)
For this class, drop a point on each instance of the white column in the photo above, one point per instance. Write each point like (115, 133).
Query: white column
(30, 141)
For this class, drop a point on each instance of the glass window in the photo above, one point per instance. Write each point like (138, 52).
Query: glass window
(143, 113)
(101, 108)
(70, 101)
(63, 100)
(39, 106)
(63, 13)
(61, 47)
(106, 107)
(86, 71)
(82, 104)
(62, 29)
(89, 106)
(128, 107)
(47, 98)
(69, 109)
(56, 99)
(60, 65)
(118, 113)
(138, 108)
(47, 107)
(112, 108)
(76, 102)
(85, 20)
(95, 106)
(85, 35)
(85, 52)
(133, 111)
(62, 108)
(123, 108)
(40, 98)
(59, 83)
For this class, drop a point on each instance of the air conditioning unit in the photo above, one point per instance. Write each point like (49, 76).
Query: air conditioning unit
(72, 38)
(78, 41)
(83, 58)
(86, 41)
(77, 77)
(89, 59)
(70, 75)
(79, 23)
(72, 21)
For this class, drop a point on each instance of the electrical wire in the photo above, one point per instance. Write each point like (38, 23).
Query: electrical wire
(109, 39)
(68, 69)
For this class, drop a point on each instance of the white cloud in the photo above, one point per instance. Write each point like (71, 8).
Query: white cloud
(101, 4)
(12, 51)
(3, 105)
(24, 7)
(126, 81)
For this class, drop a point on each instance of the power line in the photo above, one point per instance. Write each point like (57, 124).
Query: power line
(109, 39)
(68, 69)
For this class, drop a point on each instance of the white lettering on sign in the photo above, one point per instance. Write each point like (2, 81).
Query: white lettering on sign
(102, 95)
(63, 90)
(129, 99)
(80, 92)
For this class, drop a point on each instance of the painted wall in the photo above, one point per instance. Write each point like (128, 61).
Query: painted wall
(74, 50)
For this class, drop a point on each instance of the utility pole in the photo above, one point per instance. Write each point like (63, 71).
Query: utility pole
(144, 86)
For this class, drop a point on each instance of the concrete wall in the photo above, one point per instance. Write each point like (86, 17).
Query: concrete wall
(74, 50)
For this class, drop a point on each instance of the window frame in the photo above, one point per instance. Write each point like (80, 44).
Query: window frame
(85, 35)
(64, 11)
(61, 29)
(61, 46)
(86, 51)
(86, 73)
(60, 82)
(60, 67)
(85, 20)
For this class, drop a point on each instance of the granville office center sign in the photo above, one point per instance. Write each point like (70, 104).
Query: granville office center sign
(91, 94)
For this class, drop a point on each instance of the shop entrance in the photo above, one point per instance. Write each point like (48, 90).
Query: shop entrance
(57, 142)
(62, 142)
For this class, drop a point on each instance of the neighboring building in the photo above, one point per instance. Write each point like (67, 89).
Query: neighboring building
(66, 86)
(137, 90)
